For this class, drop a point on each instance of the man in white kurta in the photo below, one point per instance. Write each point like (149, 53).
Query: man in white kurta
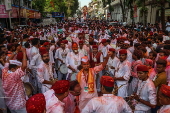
(60, 55)
(146, 92)
(86, 77)
(45, 73)
(73, 60)
(122, 74)
(108, 103)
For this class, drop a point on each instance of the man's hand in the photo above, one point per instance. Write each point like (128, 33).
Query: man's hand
(136, 97)
(23, 49)
(114, 78)
(112, 67)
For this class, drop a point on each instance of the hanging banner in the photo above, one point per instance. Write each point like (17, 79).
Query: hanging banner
(167, 12)
(8, 5)
(3, 12)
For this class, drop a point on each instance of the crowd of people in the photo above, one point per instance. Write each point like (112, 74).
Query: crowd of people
(89, 67)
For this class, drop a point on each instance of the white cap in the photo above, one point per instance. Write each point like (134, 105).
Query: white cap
(18, 63)
(84, 59)
(127, 42)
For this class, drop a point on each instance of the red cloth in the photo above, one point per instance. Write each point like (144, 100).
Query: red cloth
(123, 51)
(46, 43)
(66, 41)
(20, 56)
(61, 86)
(81, 42)
(107, 81)
(91, 35)
(43, 50)
(36, 104)
(95, 46)
(103, 41)
(165, 90)
(111, 49)
(142, 68)
(62, 42)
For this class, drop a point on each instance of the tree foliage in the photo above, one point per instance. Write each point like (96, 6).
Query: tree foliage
(69, 7)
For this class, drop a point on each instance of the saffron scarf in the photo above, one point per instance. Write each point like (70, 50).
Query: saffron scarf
(90, 80)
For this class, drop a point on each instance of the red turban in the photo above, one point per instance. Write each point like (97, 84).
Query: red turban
(103, 41)
(46, 43)
(123, 51)
(81, 42)
(20, 56)
(107, 81)
(61, 86)
(165, 90)
(111, 49)
(36, 104)
(91, 35)
(149, 61)
(142, 68)
(94, 46)
(66, 41)
(43, 50)
(62, 42)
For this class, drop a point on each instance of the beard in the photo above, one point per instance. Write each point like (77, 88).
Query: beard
(46, 60)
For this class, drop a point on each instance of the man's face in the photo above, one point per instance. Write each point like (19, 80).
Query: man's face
(125, 46)
(85, 65)
(75, 48)
(95, 50)
(160, 68)
(122, 57)
(142, 75)
(150, 56)
(4, 49)
(46, 58)
(91, 39)
(81, 45)
(3, 56)
(77, 90)
(161, 55)
(62, 45)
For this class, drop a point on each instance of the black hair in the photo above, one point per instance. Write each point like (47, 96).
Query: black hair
(154, 53)
(9, 46)
(26, 36)
(164, 51)
(108, 89)
(2, 40)
(12, 66)
(35, 41)
(2, 47)
(160, 38)
(73, 84)
(1, 53)
(27, 45)
(161, 62)
(167, 47)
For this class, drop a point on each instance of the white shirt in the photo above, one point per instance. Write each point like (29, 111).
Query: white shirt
(146, 91)
(123, 70)
(108, 103)
(112, 62)
(44, 73)
(164, 109)
(61, 54)
(73, 60)
(35, 57)
(53, 105)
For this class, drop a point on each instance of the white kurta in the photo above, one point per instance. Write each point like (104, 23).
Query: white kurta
(73, 60)
(85, 97)
(53, 105)
(112, 62)
(146, 91)
(123, 70)
(44, 74)
(164, 109)
(108, 103)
